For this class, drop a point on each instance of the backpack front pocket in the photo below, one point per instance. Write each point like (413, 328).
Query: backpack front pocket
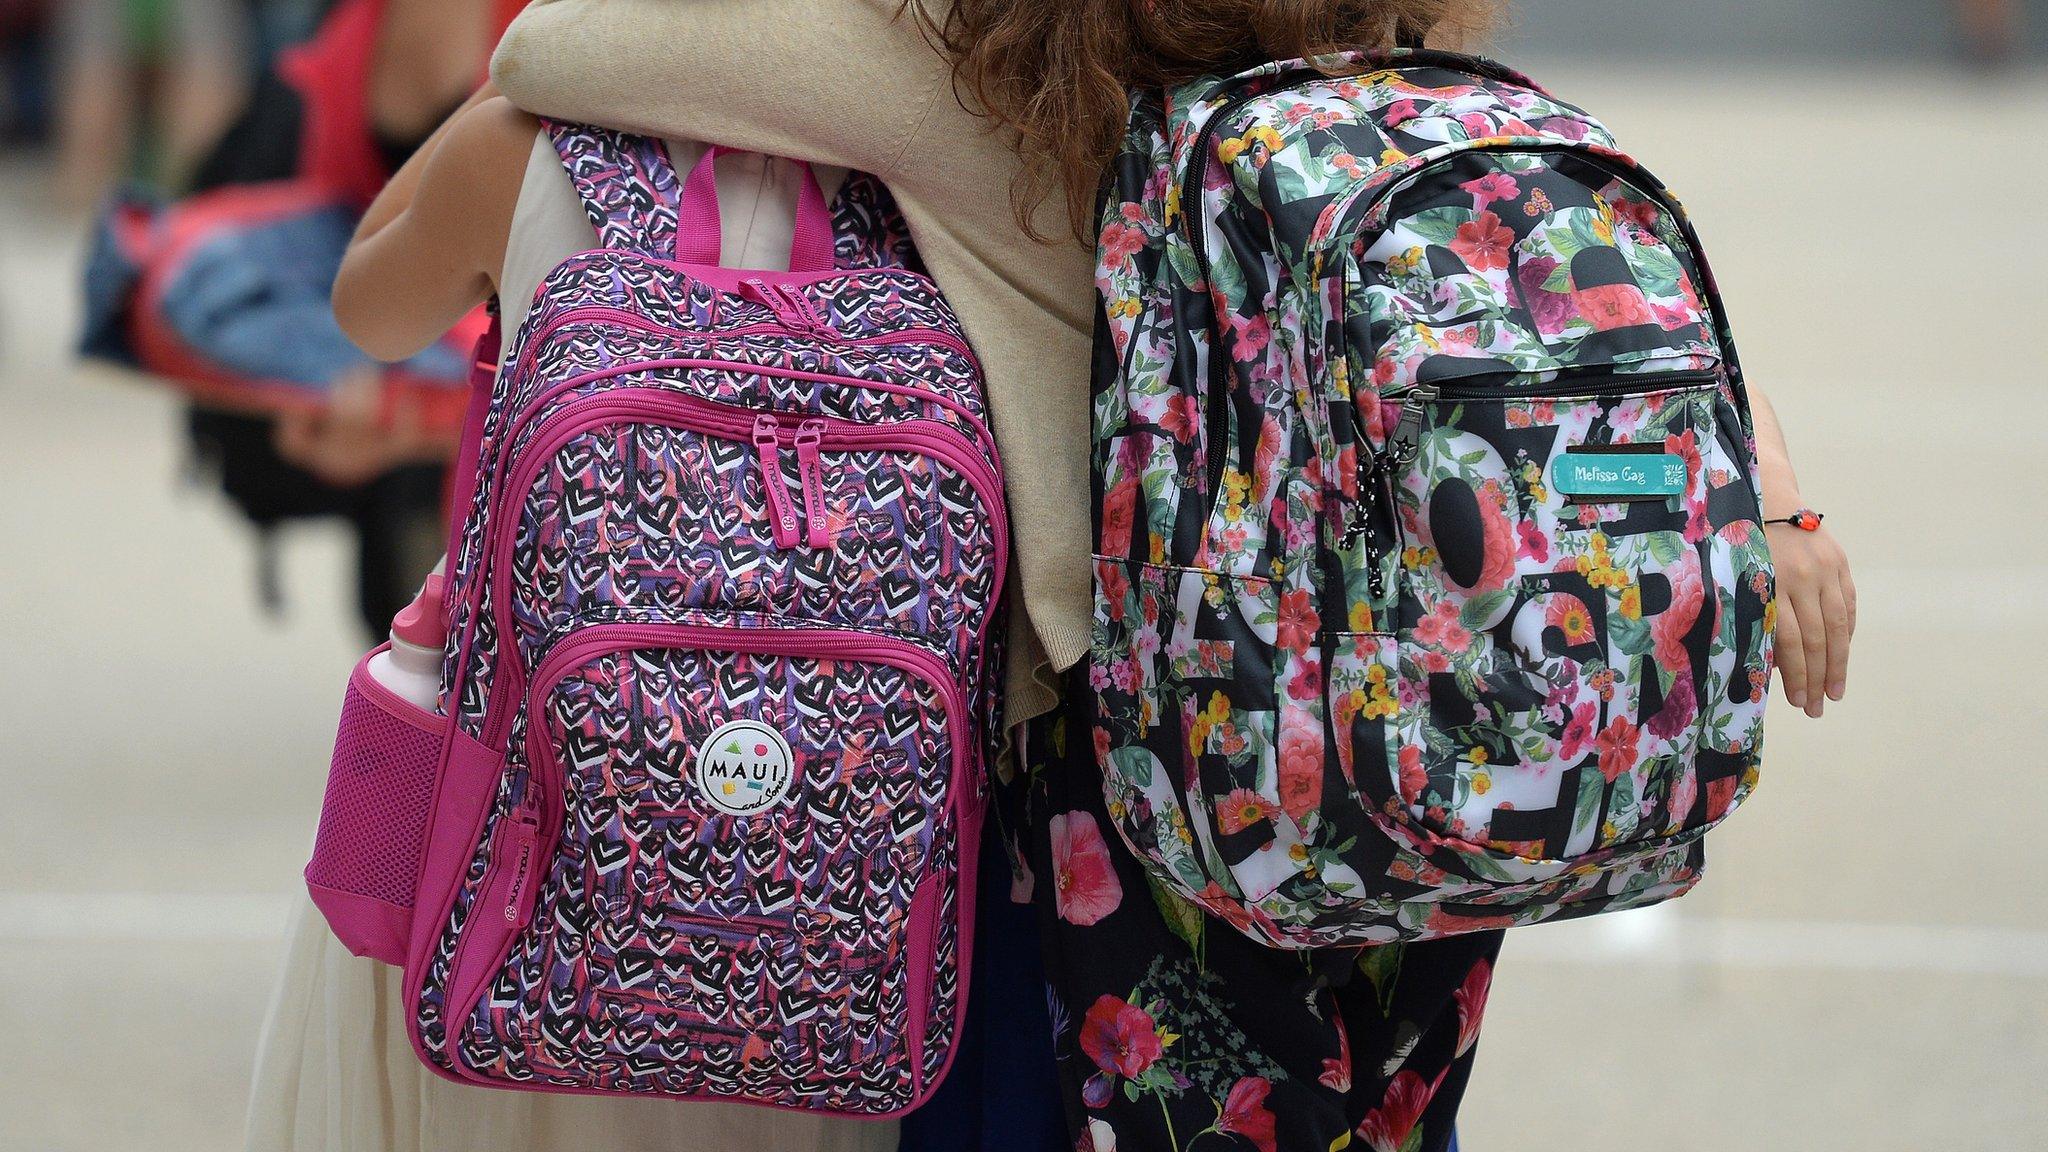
(734, 826)
(646, 495)
(1583, 614)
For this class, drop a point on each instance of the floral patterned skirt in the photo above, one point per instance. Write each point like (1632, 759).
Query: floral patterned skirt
(1174, 1032)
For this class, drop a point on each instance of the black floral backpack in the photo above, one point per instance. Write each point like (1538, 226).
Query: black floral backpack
(1431, 593)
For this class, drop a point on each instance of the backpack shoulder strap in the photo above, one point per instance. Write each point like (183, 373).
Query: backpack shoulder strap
(629, 188)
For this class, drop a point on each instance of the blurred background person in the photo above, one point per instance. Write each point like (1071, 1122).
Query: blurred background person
(1990, 29)
(345, 111)
(146, 87)
(224, 292)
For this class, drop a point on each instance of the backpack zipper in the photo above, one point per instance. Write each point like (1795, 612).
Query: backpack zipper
(1217, 417)
(1371, 192)
(529, 408)
(529, 347)
(1405, 441)
(695, 413)
(1197, 171)
(1591, 384)
(1195, 174)
(527, 412)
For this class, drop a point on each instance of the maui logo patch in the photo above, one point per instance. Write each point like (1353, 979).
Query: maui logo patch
(744, 769)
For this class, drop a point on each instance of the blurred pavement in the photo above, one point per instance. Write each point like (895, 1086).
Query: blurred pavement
(1865, 969)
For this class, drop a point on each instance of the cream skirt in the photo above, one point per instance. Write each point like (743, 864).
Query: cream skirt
(334, 1073)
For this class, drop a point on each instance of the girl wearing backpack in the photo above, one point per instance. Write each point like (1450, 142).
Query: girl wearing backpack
(1172, 1030)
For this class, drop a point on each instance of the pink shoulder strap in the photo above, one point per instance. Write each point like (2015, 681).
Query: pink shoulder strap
(628, 187)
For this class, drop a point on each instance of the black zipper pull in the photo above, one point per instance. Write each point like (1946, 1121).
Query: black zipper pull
(1406, 438)
(1368, 496)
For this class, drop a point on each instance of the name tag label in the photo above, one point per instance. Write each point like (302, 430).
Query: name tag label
(1612, 473)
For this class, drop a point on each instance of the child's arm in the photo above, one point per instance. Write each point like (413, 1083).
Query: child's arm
(432, 244)
(1816, 597)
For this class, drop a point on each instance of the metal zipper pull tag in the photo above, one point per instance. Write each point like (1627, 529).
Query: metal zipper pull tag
(1406, 438)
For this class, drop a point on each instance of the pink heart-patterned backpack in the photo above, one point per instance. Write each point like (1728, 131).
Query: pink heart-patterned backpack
(697, 815)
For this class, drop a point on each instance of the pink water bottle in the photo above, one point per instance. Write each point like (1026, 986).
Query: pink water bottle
(411, 667)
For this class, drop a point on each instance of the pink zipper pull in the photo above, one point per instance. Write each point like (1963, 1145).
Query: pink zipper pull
(789, 312)
(781, 513)
(808, 436)
(756, 289)
(770, 295)
(805, 317)
(517, 850)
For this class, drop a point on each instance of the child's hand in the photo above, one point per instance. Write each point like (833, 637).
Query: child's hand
(352, 442)
(1816, 615)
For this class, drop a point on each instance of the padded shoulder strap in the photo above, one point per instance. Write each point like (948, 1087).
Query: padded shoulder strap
(629, 188)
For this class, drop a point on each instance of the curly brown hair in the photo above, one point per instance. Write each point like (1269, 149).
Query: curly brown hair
(1057, 71)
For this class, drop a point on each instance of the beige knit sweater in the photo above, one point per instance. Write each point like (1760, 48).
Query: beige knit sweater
(848, 83)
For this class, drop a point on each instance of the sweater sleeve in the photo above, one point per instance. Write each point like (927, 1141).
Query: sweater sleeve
(833, 83)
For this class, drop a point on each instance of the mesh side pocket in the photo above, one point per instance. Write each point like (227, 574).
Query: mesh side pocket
(373, 822)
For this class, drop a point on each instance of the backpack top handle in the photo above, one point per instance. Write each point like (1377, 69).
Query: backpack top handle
(698, 227)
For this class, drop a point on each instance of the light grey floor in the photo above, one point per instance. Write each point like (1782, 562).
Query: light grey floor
(1866, 969)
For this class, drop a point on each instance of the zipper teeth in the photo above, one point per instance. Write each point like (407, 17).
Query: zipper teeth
(984, 439)
(1641, 384)
(1628, 171)
(1196, 175)
(561, 425)
(731, 423)
(633, 403)
(1634, 175)
(722, 618)
(529, 350)
(1197, 172)
(1198, 164)
(798, 641)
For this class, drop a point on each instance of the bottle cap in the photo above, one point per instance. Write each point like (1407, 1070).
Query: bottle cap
(421, 622)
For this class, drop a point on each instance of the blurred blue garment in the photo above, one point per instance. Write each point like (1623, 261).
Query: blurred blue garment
(257, 301)
(252, 300)
(1001, 1095)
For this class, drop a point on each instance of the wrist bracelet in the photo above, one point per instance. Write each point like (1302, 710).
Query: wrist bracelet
(1804, 519)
